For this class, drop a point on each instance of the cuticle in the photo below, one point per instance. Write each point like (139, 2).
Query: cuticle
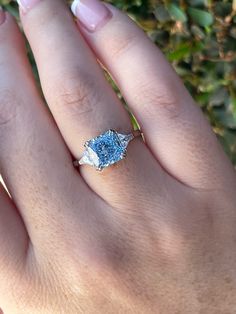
(105, 21)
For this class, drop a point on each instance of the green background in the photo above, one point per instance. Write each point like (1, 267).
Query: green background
(199, 38)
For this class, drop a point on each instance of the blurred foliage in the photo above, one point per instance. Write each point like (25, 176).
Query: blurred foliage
(199, 38)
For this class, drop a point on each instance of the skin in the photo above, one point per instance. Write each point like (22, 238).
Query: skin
(154, 233)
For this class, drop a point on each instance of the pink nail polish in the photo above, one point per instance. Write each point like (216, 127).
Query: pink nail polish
(2, 20)
(91, 13)
(27, 5)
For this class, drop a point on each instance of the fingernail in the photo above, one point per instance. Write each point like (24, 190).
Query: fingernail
(2, 20)
(91, 13)
(27, 5)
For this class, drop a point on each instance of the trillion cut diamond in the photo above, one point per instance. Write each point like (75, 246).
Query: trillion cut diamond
(106, 149)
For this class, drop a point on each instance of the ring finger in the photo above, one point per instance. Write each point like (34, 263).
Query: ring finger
(82, 102)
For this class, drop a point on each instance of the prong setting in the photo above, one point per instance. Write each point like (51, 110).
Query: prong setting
(105, 149)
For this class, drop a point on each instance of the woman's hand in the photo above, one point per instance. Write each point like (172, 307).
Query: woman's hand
(154, 233)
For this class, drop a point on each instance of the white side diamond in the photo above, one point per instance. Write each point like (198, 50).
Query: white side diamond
(89, 158)
(125, 139)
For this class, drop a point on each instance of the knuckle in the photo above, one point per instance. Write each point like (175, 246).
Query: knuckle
(113, 257)
(77, 94)
(121, 44)
(31, 290)
(156, 100)
(108, 255)
(22, 296)
(9, 105)
(22, 292)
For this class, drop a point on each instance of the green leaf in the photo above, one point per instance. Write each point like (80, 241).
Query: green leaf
(162, 14)
(197, 32)
(233, 103)
(197, 3)
(225, 117)
(222, 8)
(176, 12)
(219, 97)
(200, 17)
(180, 52)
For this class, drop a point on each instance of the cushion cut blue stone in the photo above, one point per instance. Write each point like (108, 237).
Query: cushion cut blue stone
(108, 148)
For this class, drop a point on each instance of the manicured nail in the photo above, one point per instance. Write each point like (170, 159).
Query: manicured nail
(2, 20)
(92, 14)
(27, 5)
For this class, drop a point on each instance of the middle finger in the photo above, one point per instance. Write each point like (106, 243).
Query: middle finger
(34, 161)
(81, 100)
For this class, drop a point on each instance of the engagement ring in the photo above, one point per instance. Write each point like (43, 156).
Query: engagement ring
(106, 149)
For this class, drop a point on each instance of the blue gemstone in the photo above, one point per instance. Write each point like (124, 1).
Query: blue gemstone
(108, 148)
